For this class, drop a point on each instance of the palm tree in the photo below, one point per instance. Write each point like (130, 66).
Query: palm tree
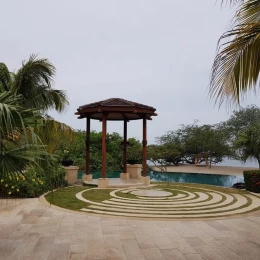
(33, 83)
(236, 67)
(248, 143)
(19, 145)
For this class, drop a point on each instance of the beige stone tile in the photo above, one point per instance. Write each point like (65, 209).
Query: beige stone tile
(217, 225)
(250, 257)
(125, 234)
(194, 241)
(153, 254)
(208, 252)
(132, 249)
(23, 249)
(194, 257)
(145, 241)
(109, 229)
(59, 251)
(253, 247)
(113, 246)
(62, 239)
(163, 242)
(76, 256)
(186, 249)
(170, 254)
(78, 247)
(229, 254)
(96, 249)
(7, 247)
(237, 248)
(43, 245)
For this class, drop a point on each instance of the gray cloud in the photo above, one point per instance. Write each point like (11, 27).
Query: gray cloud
(155, 52)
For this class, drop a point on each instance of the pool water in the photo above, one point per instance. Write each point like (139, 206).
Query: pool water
(202, 178)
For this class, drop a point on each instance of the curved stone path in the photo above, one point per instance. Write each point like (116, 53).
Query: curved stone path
(175, 203)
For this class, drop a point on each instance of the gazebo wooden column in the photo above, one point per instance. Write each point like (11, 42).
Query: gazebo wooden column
(144, 146)
(104, 150)
(88, 146)
(125, 146)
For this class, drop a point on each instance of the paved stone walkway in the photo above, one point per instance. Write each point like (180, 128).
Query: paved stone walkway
(31, 230)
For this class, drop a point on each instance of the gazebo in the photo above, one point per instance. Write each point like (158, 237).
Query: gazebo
(115, 109)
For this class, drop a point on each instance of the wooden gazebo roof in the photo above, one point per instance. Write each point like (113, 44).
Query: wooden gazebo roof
(116, 109)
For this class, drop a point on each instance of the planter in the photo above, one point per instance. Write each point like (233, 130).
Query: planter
(66, 163)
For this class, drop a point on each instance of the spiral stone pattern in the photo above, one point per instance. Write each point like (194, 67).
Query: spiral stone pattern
(175, 203)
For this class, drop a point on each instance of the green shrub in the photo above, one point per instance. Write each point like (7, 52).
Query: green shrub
(252, 180)
(33, 182)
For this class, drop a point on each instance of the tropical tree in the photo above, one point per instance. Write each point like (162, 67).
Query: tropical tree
(19, 145)
(165, 154)
(241, 120)
(248, 143)
(33, 83)
(192, 140)
(236, 67)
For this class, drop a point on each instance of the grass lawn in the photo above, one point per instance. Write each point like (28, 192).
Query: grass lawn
(66, 197)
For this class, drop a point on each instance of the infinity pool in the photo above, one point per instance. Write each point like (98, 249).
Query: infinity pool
(202, 178)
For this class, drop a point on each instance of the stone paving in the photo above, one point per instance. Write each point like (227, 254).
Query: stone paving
(32, 230)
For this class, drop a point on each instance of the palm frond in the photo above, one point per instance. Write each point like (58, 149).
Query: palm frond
(249, 13)
(236, 68)
(51, 130)
(48, 98)
(33, 81)
(15, 118)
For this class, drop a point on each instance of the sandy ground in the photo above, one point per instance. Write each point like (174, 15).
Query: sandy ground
(227, 170)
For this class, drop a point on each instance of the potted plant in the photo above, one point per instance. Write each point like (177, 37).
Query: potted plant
(66, 158)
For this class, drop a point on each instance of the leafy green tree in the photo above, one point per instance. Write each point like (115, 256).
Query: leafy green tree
(134, 150)
(248, 143)
(165, 154)
(193, 140)
(241, 119)
(236, 67)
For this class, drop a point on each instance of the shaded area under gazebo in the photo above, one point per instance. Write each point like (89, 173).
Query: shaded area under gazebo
(115, 109)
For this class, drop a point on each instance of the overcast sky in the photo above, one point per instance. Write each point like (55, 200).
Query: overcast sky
(156, 52)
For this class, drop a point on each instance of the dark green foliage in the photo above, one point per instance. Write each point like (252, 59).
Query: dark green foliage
(252, 180)
(188, 141)
(76, 149)
(33, 182)
(26, 167)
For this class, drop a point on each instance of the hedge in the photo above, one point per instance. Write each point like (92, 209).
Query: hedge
(252, 180)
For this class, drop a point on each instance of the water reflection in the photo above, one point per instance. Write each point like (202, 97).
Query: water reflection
(202, 178)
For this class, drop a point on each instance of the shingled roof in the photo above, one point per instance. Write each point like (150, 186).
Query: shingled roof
(116, 109)
(116, 102)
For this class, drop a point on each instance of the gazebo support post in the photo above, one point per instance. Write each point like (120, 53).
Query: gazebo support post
(125, 146)
(103, 181)
(145, 179)
(144, 146)
(87, 176)
(125, 174)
